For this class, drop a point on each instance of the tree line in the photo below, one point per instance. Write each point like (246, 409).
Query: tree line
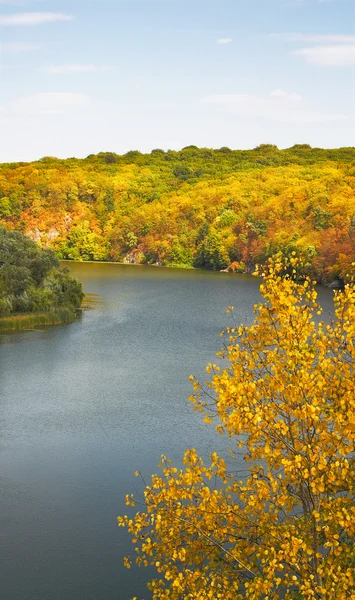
(198, 207)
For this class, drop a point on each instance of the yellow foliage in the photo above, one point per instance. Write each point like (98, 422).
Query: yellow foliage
(204, 209)
(287, 397)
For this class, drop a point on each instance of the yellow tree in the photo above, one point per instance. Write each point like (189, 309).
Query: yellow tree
(286, 397)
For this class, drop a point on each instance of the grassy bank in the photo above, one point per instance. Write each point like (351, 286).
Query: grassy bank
(31, 321)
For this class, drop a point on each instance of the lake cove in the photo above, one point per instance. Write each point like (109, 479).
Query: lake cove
(83, 406)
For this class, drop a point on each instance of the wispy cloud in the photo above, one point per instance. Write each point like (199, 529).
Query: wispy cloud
(315, 38)
(278, 106)
(290, 96)
(224, 41)
(65, 69)
(19, 47)
(328, 56)
(48, 103)
(33, 18)
(328, 50)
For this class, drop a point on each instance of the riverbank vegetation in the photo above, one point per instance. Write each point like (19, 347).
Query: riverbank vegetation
(286, 399)
(196, 207)
(34, 290)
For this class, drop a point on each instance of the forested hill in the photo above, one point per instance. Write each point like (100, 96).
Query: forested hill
(195, 207)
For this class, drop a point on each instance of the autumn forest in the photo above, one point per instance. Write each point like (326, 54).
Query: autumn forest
(216, 209)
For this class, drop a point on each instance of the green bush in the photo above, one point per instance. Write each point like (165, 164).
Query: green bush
(31, 280)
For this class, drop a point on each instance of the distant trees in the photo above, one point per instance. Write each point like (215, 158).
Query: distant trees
(109, 158)
(252, 202)
(211, 253)
(84, 244)
(182, 172)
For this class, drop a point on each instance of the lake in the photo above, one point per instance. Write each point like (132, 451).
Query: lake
(83, 406)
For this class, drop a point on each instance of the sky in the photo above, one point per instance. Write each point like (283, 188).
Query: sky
(79, 77)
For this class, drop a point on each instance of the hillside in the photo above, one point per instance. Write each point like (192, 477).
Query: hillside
(196, 207)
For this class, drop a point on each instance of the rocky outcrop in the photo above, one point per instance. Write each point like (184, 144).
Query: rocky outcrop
(135, 257)
(337, 284)
(35, 235)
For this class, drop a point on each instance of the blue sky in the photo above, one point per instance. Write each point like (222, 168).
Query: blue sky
(84, 76)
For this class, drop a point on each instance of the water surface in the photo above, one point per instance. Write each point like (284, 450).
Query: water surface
(84, 405)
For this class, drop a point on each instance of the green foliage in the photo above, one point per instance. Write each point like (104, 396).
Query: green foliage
(5, 207)
(321, 218)
(212, 253)
(178, 254)
(84, 244)
(227, 218)
(31, 280)
(183, 173)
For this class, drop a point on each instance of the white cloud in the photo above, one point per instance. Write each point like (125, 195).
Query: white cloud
(48, 103)
(19, 47)
(316, 38)
(64, 69)
(33, 18)
(328, 56)
(288, 95)
(330, 50)
(223, 41)
(278, 106)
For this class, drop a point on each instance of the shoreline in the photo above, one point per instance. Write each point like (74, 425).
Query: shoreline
(178, 267)
(154, 266)
(28, 321)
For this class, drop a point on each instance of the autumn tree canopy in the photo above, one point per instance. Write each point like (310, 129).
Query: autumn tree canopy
(196, 207)
(285, 396)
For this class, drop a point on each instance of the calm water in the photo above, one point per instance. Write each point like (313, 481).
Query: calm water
(84, 405)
